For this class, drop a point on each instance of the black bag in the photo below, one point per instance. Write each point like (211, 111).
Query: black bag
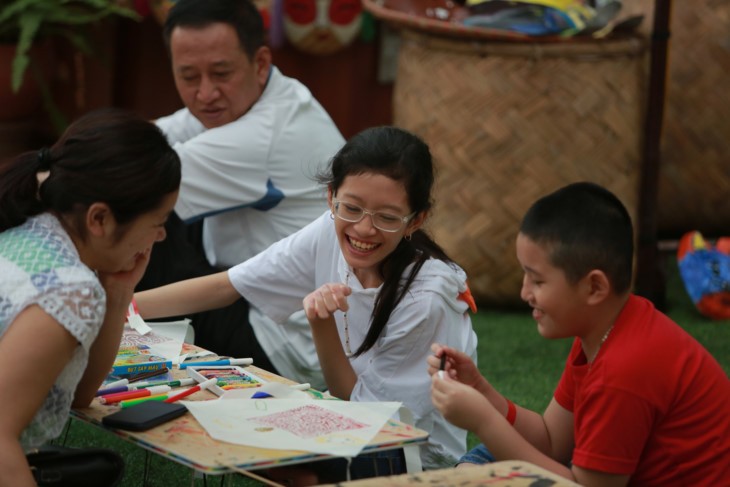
(60, 466)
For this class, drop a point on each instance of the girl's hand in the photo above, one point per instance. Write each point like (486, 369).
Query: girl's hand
(461, 405)
(321, 304)
(459, 366)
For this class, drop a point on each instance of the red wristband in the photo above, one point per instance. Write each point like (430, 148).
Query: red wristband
(511, 412)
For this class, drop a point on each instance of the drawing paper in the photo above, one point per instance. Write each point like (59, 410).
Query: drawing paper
(340, 428)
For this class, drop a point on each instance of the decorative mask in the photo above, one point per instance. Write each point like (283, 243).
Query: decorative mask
(322, 26)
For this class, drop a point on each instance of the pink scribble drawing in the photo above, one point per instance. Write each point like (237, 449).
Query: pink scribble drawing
(309, 421)
(132, 338)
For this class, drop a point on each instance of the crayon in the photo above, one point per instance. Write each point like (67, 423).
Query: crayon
(228, 361)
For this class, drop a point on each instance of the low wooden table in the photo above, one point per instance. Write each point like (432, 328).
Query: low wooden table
(185, 441)
(509, 473)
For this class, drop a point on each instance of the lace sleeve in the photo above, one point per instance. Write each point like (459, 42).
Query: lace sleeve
(79, 308)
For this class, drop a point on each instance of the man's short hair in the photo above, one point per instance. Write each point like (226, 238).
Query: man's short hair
(242, 15)
(583, 227)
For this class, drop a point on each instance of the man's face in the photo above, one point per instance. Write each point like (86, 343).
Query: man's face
(214, 76)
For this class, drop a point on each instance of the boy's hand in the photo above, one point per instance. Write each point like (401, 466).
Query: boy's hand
(461, 405)
(459, 366)
(321, 304)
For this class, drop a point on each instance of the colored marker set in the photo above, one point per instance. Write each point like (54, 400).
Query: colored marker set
(215, 376)
(230, 377)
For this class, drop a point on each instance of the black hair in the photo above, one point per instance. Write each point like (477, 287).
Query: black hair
(109, 155)
(242, 15)
(584, 226)
(403, 157)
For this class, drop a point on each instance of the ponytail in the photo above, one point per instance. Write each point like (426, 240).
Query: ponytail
(19, 188)
(108, 155)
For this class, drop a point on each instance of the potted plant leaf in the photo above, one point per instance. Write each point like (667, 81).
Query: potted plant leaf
(27, 23)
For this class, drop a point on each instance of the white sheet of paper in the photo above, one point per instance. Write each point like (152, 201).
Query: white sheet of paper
(136, 322)
(340, 428)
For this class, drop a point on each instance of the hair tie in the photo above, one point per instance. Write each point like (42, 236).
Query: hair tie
(44, 159)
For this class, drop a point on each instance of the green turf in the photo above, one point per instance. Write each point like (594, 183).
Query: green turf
(512, 355)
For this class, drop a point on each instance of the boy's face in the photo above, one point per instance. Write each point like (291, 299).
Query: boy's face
(557, 305)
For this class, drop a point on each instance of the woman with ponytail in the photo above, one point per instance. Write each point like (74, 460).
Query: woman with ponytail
(376, 289)
(77, 223)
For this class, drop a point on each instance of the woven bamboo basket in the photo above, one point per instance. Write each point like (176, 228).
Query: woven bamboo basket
(694, 178)
(510, 122)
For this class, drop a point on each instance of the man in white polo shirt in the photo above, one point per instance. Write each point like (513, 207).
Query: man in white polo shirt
(251, 141)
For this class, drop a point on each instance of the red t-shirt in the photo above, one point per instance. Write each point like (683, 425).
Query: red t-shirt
(654, 404)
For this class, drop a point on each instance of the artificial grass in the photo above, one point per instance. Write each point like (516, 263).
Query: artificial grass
(511, 354)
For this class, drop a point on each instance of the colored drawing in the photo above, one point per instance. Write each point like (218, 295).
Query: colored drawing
(339, 428)
(309, 421)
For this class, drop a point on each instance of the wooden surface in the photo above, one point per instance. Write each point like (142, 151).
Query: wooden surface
(184, 440)
(509, 473)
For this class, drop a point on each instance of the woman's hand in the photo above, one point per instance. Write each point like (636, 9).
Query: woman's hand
(321, 304)
(458, 366)
(123, 283)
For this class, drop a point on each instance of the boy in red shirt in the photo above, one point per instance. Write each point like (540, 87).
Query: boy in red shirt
(640, 401)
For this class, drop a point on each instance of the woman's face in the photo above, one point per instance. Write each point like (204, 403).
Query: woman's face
(363, 245)
(120, 251)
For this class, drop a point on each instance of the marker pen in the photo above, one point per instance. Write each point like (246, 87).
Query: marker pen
(228, 387)
(228, 361)
(442, 366)
(120, 382)
(296, 387)
(188, 381)
(113, 385)
(131, 402)
(199, 387)
(113, 390)
(121, 396)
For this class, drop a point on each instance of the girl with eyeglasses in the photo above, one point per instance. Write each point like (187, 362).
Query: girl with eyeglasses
(377, 290)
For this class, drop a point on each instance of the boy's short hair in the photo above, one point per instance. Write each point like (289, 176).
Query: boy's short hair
(583, 226)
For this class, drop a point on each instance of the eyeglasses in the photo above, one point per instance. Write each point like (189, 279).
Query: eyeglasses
(382, 221)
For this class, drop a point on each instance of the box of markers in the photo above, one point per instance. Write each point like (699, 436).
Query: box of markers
(229, 377)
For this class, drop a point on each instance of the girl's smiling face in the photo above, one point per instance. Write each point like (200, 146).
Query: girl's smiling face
(363, 245)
